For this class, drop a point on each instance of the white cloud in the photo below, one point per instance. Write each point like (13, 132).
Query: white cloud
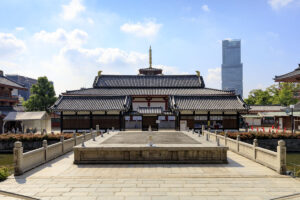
(213, 78)
(60, 36)
(10, 45)
(71, 10)
(19, 28)
(277, 4)
(205, 8)
(146, 29)
(170, 69)
(90, 20)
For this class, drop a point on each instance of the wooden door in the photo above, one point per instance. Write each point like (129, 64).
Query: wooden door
(150, 121)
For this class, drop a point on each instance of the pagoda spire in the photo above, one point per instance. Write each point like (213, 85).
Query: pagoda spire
(150, 58)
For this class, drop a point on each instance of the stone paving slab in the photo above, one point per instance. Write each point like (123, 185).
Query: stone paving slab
(161, 137)
(241, 178)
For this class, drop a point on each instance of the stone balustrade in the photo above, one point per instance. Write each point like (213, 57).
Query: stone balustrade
(24, 162)
(271, 159)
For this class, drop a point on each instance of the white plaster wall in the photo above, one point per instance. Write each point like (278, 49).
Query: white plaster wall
(158, 104)
(135, 105)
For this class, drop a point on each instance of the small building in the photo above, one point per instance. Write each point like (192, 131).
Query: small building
(29, 122)
(8, 101)
(271, 115)
(149, 99)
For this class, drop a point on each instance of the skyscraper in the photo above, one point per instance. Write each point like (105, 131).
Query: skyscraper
(232, 68)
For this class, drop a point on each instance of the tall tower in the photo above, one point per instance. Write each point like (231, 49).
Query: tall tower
(232, 68)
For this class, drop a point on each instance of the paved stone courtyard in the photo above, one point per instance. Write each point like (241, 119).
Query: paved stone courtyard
(167, 137)
(241, 178)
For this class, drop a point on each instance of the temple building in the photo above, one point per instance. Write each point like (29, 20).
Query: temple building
(150, 98)
(293, 76)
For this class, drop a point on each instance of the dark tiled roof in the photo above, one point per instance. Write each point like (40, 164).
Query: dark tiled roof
(148, 91)
(133, 81)
(263, 108)
(11, 83)
(91, 103)
(217, 103)
(294, 75)
(149, 110)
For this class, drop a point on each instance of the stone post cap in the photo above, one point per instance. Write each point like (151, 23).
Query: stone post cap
(44, 143)
(18, 144)
(61, 138)
(254, 140)
(238, 137)
(281, 143)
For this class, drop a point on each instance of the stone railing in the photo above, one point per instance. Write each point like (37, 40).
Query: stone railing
(24, 162)
(271, 159)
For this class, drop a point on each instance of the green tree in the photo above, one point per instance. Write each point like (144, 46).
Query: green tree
(283, 94)
(42, 96)
(259, 97)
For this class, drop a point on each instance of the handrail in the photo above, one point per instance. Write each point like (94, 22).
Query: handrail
(277, 161)
(24, 162)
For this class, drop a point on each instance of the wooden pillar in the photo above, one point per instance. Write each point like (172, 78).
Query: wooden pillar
(238, 120)
(121, 120)
(91, 120)
(223, 113)
(178, 121)
(76, 115)
(61, 122)
(208, 120)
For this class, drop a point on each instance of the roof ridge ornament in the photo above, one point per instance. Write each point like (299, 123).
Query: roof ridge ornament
(150, 58)
(198, 73)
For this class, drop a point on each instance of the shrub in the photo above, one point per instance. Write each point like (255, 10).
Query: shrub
(261, 135)
(4, 173)
(33, 137)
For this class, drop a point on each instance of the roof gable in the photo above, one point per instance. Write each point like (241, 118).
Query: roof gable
(10, 83)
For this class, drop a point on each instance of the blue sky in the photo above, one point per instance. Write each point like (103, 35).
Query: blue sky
(70, 40)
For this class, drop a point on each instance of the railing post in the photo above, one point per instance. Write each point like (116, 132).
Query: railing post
(45, 145)
(238, 139)
(18, 158)
(62, 143)
(218, 141)
(216, 135)
(97, 129)
(203, 128)
(83, 140)
(255, 144)
(93, 135)
(74, 137)
(281, 157)
(206, 136)
(225, 138)
(112, 129)
(84, 133)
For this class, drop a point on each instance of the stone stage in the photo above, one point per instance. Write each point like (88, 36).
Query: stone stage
(133, 147)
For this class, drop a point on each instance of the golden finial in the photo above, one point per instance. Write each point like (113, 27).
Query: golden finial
(198, 73)
(99, 73)
(150, 57)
